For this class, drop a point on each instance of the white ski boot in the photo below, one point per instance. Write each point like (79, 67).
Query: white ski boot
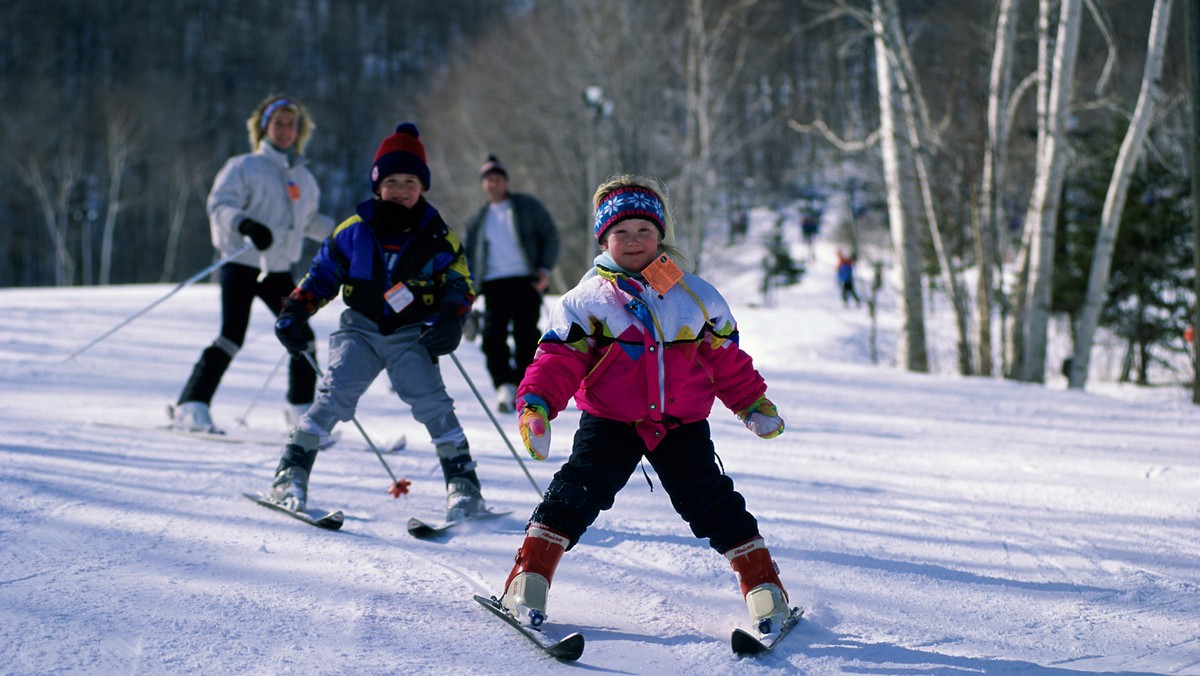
(193, 416)
(290, 488)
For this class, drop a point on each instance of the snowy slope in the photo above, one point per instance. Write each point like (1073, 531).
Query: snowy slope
(927, 523)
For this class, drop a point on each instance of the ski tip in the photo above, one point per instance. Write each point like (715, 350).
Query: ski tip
(569, 649)
(332, 521)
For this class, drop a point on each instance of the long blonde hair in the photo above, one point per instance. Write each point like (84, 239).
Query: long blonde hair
(256, 125)
(668, 244)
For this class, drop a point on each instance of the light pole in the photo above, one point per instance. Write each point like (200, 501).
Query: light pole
(600, 107)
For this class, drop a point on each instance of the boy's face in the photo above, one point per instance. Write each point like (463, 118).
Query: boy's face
(403, 189)
(283, 128)
(632, 243)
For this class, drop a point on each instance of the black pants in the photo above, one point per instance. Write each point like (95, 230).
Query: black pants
(240, 285)
(514, 302)
(605, 455)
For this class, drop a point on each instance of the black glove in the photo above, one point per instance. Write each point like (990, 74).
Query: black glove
(257, 232)
(291, 328)
(442, 337)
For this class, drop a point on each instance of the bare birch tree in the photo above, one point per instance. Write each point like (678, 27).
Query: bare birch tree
(714, 56)
(52, 187)
(992, 175)
(122, 139)
(1018, 318)
(1118, 189)
(1042, 215)
(911, 352)
(917, 124)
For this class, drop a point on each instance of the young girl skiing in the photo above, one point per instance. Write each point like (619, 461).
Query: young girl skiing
(645, 349)
(407, 288)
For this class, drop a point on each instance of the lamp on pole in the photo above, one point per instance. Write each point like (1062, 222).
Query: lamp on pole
(600, 107)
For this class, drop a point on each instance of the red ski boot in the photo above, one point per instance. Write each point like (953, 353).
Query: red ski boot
(759, 577)
(528, 584)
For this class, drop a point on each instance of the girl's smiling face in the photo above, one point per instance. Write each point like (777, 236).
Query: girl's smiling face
(632, 243)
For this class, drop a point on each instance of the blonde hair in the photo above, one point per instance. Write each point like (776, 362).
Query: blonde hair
(667, 244)
(255, 124)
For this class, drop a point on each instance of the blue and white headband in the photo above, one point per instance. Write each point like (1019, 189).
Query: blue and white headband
(265, 119)
(630, 202)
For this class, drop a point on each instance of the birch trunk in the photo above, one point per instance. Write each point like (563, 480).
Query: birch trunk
(1118, 190)
(699, 133)
(121, 131)
(911, 351)
(1019, 296)
(53, 196)
(997, 133)
(1047, 191)
(917, 124)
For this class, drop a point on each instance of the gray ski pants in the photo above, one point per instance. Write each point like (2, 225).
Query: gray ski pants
(357, 354)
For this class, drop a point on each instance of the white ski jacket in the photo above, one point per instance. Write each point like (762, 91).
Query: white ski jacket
(261, 186)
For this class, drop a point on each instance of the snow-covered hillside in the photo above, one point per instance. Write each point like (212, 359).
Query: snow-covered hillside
(926, 523)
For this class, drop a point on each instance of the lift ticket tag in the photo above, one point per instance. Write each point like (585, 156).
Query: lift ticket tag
(662, 274)
(398, 296)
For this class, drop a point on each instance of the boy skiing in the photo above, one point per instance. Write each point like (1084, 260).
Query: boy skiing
(407, 288)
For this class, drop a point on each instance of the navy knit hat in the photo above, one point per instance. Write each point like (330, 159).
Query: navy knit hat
(492, 166)
(633, 201)
(400, 153)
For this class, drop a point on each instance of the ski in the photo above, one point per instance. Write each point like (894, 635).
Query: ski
(320, 519)
(568, 648)
(206, 436)
(424, 530)
(746, 644)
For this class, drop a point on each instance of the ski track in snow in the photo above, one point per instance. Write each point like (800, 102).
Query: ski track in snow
(926, 523)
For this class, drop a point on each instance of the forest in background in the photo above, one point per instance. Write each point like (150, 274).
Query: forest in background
(118, 114)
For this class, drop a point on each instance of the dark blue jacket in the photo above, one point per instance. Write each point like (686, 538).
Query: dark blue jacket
(365, 262)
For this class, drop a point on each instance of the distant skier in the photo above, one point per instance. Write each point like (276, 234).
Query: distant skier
(644, 349)
(407, 288)
(845, 275)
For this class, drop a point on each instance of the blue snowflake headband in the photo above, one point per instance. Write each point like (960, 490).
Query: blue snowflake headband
(630, 202)
(265, 119)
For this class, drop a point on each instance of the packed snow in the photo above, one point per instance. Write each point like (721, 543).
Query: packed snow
(925, 523)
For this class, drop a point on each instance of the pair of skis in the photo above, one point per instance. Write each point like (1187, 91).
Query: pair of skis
(334, 520)
(566, 648)
(570, 647)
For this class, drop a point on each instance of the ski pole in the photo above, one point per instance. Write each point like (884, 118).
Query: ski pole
(495, 422)
(399, 486)
(254, 401)
(191, 280)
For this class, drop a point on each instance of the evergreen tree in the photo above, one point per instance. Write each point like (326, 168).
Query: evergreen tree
(1149, 286)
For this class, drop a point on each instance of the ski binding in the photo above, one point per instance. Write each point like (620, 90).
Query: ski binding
(747, 644)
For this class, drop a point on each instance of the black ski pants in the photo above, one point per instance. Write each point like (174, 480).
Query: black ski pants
(510, 302)
(605, 455)
(240, 285)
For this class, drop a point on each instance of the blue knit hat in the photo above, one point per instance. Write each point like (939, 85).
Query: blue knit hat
(400, 153)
